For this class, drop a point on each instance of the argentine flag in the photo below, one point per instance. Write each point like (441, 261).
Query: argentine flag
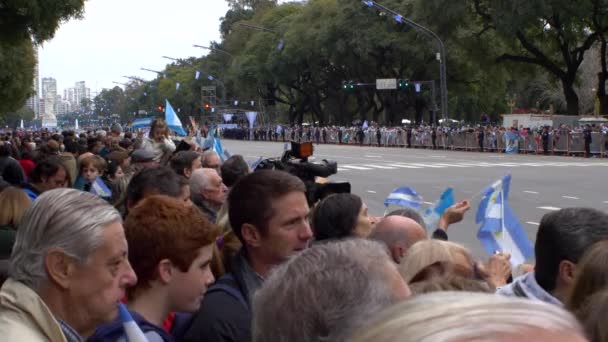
(133, 332)
(405, 197)
(99, 188)
(500, 229)
(433, 213)
(215, 144)
(172, 120)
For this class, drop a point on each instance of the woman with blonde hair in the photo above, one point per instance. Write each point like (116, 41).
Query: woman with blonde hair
(427, 259)
(13, 203)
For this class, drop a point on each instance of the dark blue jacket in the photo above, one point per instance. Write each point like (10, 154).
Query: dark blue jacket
(113, 331)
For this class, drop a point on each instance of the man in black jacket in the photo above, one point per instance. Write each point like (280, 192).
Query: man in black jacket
(268, 212)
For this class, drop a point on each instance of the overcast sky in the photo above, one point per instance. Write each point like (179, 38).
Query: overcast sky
(118, 37)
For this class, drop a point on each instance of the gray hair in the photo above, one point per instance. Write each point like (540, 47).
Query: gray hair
(462, 316)
(68, 219)
(323, 292)
(200, 180)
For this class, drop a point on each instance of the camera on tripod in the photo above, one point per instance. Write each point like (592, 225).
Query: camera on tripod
(295, 161)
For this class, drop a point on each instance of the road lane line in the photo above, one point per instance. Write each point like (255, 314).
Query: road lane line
(371, 191)
(534, 223)
(378, 166)
(531, 192)
(406, 166)
(548, 208)
(355, 167)
(429, 203)
(428, 165)
(571, 197)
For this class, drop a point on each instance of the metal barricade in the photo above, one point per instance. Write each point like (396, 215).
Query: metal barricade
(560, 143)
(576, 145)
(597, 143)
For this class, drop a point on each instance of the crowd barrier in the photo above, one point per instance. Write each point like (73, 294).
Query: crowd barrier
(559, 143)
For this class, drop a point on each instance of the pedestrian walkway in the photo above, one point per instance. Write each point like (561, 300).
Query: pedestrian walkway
(433, 165)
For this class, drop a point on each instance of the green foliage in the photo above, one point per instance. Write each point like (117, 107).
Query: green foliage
(13, 119)
(17, 65)
(36, 19)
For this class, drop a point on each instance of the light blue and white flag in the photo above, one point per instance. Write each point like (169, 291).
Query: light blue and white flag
(99, 188)
(76, 124)
(173, 120)
(433, 213)
(215, 144)
(142, 123)
(365, 125)
(405, 197)
(255, 164)
(197, 75)
(133, 332)
(500, 229)
(177, 86)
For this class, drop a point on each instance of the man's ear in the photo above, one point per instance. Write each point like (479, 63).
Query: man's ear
(187, 172)
(165, 271)
(251, 235)
(566, 272)
(59, 267)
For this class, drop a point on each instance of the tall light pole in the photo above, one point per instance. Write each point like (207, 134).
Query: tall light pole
(215, 49)
(441, 55)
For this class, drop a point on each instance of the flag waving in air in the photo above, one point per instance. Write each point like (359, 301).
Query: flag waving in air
(173, 120)
(433, 213)
(405, 197)
(500, 230)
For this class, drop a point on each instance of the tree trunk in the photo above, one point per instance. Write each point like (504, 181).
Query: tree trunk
(571, 97)
(601, 78)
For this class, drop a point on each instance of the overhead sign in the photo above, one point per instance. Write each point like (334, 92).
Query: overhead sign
(386, 83)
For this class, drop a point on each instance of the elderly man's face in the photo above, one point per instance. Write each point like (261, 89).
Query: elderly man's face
(216, 192)
(97, 285)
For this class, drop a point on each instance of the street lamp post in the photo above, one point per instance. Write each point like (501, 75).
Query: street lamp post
(441, 56)
(215, 49)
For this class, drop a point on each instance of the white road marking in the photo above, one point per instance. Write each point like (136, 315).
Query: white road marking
(373, 156)
(406, 166)
(343, 169)
(534, 223)
(452, 165)
(531, 192)
(355, 167)
(429, 203)
(429, 165)
(371, 191)
(375, 166)
(571, 197)
(548, 208)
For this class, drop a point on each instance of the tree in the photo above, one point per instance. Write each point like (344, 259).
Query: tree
(17, 64)
(13, 119)
(551, 34)
(36, 19)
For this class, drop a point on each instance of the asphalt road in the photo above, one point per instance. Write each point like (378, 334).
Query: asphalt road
(539, 184)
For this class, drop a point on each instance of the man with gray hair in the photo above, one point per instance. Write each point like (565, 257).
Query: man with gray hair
(326, 291)
(208, 192)
(68, 269)
(210, 159)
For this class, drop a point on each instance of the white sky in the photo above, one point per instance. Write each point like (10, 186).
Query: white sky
(118, 37)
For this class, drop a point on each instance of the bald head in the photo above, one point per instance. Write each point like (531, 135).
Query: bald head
(398, 233)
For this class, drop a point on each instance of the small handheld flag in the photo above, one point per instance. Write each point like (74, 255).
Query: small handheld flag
(173, 120)
(405, 197)
(500, 229)
(99, 188)
(433, 213)
(132, 330)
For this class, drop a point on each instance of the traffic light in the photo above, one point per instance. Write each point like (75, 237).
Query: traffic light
(207, 106)
(160, 108)
(348, 85)
(403, 83)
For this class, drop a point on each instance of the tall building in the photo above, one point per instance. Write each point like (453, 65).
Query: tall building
(49, 96)
(77, 94)
(62, 107)
(34, 101)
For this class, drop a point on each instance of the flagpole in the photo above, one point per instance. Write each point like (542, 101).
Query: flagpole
(502, 215)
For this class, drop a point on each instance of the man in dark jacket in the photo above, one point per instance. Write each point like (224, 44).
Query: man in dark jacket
(268, 212)
(587, 136)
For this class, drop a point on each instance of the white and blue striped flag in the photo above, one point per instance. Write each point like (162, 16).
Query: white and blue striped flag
(500, 229)
(133, 332)
(433, 213)
(404, 196)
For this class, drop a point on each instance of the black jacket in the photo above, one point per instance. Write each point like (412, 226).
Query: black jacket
(224, 316)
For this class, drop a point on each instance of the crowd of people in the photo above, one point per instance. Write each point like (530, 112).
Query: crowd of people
(541, 139)
(205, 249)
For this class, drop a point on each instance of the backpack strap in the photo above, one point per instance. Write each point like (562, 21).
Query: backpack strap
(228, 284)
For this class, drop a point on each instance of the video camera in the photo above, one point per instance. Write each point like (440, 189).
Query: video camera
(295, 161)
